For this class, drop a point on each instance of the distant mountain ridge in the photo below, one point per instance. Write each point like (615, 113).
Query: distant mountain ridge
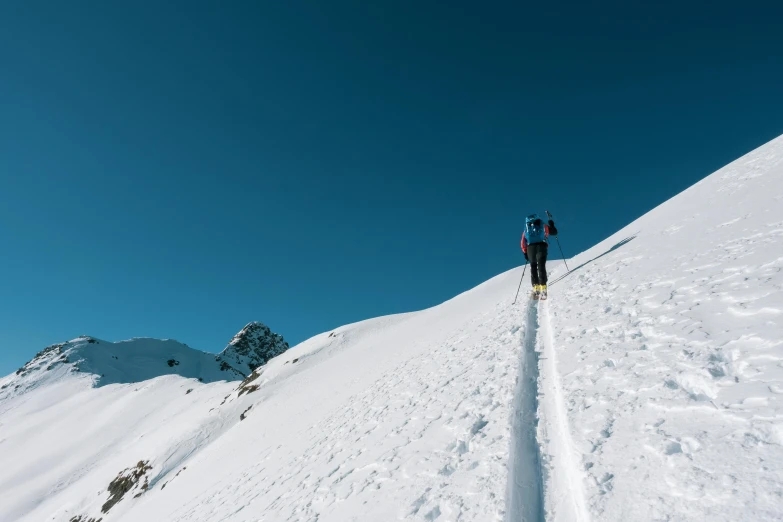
(140, 359)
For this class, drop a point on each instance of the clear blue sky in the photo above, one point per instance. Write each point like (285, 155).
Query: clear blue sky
(179, 170)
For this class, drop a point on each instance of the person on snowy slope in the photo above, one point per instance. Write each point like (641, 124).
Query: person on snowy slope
(535, 247)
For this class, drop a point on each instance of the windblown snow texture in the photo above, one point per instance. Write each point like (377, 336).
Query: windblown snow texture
(648, 387)
(669, 343)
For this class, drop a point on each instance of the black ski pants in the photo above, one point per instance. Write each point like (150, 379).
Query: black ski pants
(536, 255)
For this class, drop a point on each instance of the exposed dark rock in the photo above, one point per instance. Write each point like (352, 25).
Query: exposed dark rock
(254, 346)
(126, 480)
(243, 414)
(246, 387)
(249, 389)
(45, 356)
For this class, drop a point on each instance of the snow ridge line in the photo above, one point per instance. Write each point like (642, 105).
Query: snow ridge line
(525, 492)
(565, 497)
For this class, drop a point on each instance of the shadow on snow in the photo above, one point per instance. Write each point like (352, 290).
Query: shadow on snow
(615, 247)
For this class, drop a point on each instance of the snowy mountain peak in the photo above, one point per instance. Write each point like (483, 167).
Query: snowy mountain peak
(141, 359)
(252, 347)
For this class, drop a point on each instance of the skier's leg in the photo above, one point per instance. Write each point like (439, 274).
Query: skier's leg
(532, 254)
(534, 272)
(541, 261)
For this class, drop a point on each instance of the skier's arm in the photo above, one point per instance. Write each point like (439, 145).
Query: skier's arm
(551, 228)
(524, 244)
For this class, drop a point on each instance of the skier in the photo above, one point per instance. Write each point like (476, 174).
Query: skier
(534, 246)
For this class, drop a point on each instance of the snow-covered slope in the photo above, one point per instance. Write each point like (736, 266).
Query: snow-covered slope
(647, 388)
(668, 338)
(66, 419)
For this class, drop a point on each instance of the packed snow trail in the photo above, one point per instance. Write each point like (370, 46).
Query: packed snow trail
(525, 482)
(565, 498)
(544, 483)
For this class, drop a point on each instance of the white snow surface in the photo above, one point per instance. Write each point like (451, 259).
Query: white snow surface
(648, 387)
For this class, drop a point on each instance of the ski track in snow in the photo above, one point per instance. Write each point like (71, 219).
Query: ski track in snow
(525, 497)
(565, 497)
(544, 483)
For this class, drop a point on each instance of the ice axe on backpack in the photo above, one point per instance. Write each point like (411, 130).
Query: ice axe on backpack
(549, 216)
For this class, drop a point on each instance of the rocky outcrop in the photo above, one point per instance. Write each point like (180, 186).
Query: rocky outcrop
(126, 481)
(253, 347)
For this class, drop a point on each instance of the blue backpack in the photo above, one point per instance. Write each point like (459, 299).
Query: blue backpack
(535, 231)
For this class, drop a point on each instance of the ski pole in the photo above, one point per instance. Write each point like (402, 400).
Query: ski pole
(558, 243)
(520, 283)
